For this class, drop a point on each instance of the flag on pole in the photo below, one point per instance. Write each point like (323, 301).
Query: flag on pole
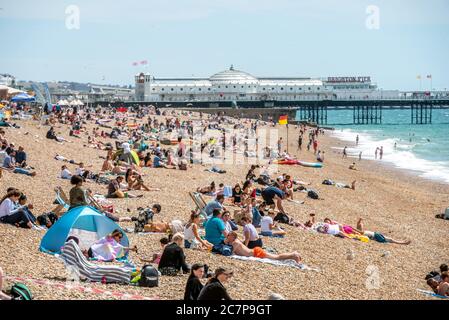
(283, 119)
(429, 76)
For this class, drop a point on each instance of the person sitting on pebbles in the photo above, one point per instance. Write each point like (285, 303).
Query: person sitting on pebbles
(115, 189)
(269, 228)
(241, 250)
(109, 248)
(9, 163)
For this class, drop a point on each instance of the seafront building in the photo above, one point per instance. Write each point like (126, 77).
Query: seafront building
(236, 85)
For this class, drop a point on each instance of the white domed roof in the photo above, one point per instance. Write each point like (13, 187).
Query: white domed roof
(233, 76)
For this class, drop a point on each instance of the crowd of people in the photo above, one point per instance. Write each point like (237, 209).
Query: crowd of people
(254, 206)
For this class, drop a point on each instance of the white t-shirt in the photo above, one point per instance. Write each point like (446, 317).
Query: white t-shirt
(265, 224)
(126, 147)
(66, 174)
(228, 227)
(79, 171)
(333, 229)
(253, 235)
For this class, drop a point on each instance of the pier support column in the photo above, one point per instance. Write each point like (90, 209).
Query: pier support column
(367, 114)
(421, 113)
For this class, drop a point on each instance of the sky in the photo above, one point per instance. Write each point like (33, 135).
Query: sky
(392, 41)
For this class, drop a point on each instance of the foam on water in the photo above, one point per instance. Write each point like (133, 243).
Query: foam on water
(403, 156)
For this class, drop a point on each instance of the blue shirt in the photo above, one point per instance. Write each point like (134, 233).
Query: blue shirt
(21, 156)
(257, 217)
(156, 162)
(211, 206)
(214, 230)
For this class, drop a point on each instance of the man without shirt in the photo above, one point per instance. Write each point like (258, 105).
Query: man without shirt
(241, 250)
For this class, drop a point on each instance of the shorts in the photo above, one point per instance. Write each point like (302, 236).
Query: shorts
(268, 201)
(348, 230)
(379, 237)
(259, 253)
(255, 243)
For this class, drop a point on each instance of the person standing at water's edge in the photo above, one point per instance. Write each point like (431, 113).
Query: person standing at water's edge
(375, 154)
(357, 140)
(381, 152)
(345, 154)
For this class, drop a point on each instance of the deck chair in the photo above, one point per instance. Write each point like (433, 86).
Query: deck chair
(61, 198)
(75, 260)
(199, 202)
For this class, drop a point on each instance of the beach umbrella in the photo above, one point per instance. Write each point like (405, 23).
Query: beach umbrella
(63, 102)
(23, 97)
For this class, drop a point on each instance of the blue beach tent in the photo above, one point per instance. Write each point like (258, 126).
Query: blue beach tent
(23, 97)
(84, 222)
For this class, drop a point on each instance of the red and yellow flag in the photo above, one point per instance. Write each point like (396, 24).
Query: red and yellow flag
(283, 119)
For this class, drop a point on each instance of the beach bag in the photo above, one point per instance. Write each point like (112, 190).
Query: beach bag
(182, 165)
(149, 277)
(313, 194)
(19, 291)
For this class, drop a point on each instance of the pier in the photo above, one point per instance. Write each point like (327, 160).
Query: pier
(366, 111)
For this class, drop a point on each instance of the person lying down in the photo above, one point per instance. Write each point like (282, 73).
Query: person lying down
(241, 250)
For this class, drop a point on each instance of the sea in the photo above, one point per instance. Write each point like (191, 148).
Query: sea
(421, 149)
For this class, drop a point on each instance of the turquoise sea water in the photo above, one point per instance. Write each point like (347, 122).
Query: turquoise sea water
(423, 149)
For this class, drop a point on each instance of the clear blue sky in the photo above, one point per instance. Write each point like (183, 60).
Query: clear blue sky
(313, 38)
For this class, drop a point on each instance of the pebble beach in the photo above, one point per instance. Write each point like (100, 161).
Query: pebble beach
(394, 202)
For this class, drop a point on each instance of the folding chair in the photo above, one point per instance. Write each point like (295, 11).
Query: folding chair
(199, 202)
(61, 198)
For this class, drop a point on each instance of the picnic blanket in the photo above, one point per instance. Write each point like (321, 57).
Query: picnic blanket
(74, 258)
(284, 263)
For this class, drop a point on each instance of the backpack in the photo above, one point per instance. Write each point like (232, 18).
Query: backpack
(19, 291)
(149, 277)
(282, 218)
(313, 194)
(43, 219)
(145, 216)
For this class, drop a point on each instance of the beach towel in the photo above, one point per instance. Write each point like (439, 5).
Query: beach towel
(284, 263)
(215, 170)
(74, 259)
(431, 293)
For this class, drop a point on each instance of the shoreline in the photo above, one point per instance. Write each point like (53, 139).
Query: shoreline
(418, 172)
